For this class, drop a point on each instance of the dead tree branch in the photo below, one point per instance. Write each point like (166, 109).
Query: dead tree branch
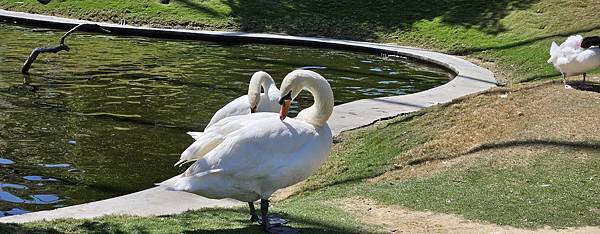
(62, 46)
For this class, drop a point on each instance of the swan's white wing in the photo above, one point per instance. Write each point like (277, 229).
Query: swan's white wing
(587, 60)
(239, 106)
(212, 136)
(263, 147)
(572, 42)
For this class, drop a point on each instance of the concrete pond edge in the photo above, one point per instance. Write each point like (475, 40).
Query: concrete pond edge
(469, 79)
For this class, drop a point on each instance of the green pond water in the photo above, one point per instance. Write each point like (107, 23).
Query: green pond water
(109, 117)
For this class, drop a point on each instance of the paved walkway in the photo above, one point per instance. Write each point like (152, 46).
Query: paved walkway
(156, 201)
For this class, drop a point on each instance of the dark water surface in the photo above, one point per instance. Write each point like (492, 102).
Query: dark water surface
(109, 117)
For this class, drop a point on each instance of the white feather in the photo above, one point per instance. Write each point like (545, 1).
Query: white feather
(570, 59)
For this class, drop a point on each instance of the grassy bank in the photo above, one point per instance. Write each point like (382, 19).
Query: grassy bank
(526, 155)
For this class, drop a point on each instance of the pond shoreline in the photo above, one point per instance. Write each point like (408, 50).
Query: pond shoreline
(470, 79)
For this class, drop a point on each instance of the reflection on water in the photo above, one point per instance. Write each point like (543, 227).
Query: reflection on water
(110, 116)
(39, 178)
(6, 161)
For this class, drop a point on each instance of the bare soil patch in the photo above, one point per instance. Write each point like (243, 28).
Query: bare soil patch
(396, 219)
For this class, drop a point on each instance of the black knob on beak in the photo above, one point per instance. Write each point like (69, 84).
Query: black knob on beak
(286, 97)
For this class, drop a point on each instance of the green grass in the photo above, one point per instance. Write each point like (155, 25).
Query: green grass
(553, 191)
(307, 215)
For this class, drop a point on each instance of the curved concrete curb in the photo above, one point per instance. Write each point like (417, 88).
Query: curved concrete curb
(156, 201)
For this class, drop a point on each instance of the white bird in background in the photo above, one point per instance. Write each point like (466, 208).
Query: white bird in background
(249, 157)
(255, 101)
(571, 59)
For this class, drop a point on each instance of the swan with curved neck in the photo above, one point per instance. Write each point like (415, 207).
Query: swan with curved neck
(254, 101)
(249, 157)
(315, 84)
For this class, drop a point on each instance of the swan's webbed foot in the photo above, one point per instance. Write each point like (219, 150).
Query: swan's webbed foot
(565, 82)
(282, 230)
(274, 221)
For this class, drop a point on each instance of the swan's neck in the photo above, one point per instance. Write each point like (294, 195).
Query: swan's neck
(267, 83)
(260, 80)
(319, 112)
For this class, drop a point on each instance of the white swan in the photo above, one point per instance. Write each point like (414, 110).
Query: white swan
(254, 101)
(570, 59)
(249, 157)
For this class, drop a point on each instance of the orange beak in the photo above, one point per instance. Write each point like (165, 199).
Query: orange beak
(284, 109)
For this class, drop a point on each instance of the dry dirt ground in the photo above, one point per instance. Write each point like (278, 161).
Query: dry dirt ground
(397, 219)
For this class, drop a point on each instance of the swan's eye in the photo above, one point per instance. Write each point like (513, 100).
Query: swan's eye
(288, 96)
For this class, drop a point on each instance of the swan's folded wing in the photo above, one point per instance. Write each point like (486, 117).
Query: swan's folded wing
(589, 56)
(210, 139)
(239, 106)
(258, 149)
(203, 144)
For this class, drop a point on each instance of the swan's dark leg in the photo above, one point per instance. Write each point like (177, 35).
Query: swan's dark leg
(264, 210)
(584, 77)
(565, 82)
(271, 223)
(253, 216)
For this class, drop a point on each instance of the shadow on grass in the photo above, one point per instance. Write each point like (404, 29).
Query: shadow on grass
(187, 219)
(586, 86)
(467, 51)
(540, 77)
(580, 145)
(19, 228)
(361, 19)
(198, 7)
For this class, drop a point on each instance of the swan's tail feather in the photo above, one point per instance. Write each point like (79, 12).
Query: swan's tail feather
(195, 135)
(186, 183)
(201, 147)
(180, 162)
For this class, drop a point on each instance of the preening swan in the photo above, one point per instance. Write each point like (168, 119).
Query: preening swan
(249, 157)
(254, 101)
(571, 59)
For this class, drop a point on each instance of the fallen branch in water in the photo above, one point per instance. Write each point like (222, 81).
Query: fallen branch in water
(62, 46)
